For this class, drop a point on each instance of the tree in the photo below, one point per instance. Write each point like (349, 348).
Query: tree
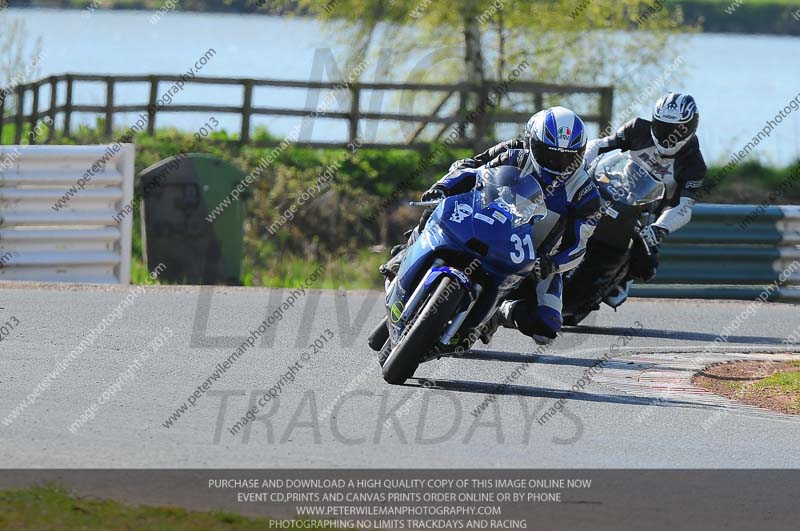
(623, 43)
(19, 59)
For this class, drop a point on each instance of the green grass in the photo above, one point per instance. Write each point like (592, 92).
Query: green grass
(784, 382)
(729, 2)
(54, 509)
(354, 271)
(787, 382)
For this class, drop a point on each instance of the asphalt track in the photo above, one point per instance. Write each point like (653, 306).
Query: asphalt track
(338, 412)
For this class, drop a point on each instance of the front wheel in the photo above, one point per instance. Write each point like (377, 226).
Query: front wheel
(425, 332)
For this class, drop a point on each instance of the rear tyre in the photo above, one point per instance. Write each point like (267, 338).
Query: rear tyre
(426, 330)
(379, 335)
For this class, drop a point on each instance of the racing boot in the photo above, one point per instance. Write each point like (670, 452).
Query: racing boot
(540, 323)
(392, 266)
(501, 317)
(618, 294)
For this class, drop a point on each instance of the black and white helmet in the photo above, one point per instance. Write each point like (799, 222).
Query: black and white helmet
(674, 122)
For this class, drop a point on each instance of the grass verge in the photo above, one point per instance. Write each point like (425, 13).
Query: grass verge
(54, 509)
(769, 384)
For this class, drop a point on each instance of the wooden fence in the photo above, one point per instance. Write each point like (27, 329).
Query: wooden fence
(474, 125)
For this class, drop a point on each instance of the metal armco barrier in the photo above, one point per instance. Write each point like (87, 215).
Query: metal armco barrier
(56, 213)
(731, 252)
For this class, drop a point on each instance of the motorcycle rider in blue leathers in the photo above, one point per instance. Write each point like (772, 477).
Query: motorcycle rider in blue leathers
(551, 149)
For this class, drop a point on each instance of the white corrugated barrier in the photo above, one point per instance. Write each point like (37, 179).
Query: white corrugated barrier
(57, 207)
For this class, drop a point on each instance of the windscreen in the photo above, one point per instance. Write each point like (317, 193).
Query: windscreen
(628, 181)
(519, 195)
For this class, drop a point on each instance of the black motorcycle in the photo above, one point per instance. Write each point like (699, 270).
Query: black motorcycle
(631, 197)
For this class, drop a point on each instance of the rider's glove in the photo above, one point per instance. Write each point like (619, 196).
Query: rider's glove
(464, 163)
(434, 194)
(653, 234)
(543, 267)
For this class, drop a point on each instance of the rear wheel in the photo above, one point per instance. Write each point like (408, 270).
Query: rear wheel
(423, 334)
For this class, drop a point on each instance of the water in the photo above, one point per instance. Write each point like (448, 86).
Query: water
(740, 81)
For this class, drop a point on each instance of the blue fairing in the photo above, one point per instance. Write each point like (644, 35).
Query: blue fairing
(457, 220)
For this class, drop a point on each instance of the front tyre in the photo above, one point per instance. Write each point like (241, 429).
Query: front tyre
(424, 333)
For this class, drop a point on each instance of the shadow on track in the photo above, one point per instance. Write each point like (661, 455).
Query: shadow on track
(673, 334)
(516, 357)
(488, 388)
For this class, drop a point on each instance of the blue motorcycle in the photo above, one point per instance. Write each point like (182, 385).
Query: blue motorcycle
(475, 249)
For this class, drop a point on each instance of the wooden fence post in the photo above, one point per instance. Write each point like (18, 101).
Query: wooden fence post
(606, 109)
(18, 121)
(462, 110)
(68, 107)
(2, 113)
(481, 118)
(355, 96)
(247, 101)
(151, 106)
(109, 128)
(34, 117)
(51, 113)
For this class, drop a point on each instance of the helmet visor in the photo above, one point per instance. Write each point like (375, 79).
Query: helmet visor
(669, 134)
(558, 160)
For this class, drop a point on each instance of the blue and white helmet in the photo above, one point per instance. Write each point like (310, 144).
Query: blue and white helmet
(675, 119)
(556, 139)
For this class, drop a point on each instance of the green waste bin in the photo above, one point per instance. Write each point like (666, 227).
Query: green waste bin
(190, 222)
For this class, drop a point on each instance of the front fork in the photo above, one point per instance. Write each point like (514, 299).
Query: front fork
(459, 319)
(418, 296)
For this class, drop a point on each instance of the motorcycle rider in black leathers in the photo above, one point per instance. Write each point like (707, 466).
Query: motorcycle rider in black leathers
(551, 150)
(668, 147)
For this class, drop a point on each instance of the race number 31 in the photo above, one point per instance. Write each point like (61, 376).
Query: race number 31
(520, 245)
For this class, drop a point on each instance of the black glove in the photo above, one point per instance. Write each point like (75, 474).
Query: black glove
(434, 194)
(543, 267)
(464, 163)
(653, 234)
